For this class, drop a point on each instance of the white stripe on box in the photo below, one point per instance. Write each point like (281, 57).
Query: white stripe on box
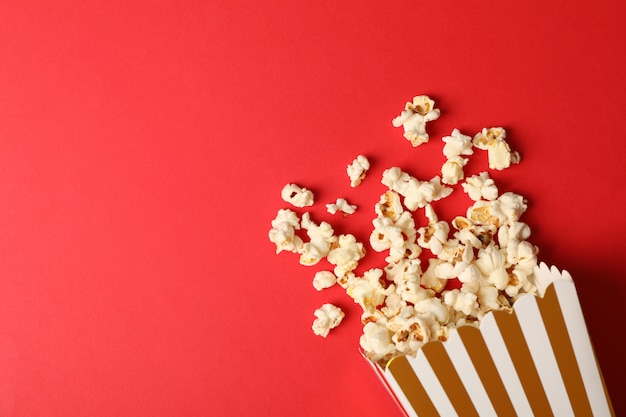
(431, 384)
(538, 341)
(504, 364)
(467, 372)
(581, 343)
(406, 405)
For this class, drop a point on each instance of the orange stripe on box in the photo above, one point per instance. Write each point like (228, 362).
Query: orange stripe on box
(411, 386)
(564, 352)
(522, 360)
(487, 372)
(449, 378)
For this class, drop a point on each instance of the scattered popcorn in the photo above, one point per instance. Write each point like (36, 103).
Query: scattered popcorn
(498, 150)
(417, 194)
(452, 170)
(408, 302)
(357, 170)
(435, 234)
(414, 118)
(328, 317)
(321, 238)
(345, 254)
(341, 205)
(283, 231)
(457, 144)
(297, 196)
(480, 186)
(324, 279)
(389, 206)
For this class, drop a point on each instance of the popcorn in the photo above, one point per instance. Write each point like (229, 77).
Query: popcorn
(405, 304)
(414, 119)
(357, 170)
(321, 238)
(498, 151)
(297, 196)
(324, 279)
(328, 316)
(465, 302)
(389, 205)
(452, 170)
(345, 253)
(435, 234)
(283, 231)
(341, 205)
(457, 144)
(376, 341)
(480, 186)
(367, 291)
(417, 194)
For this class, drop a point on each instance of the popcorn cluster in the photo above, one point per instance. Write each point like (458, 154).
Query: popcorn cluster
(409, 301)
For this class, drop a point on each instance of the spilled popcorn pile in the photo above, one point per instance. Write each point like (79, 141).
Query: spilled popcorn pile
(407, 303)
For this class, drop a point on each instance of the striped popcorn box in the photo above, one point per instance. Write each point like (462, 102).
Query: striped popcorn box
(536, 361)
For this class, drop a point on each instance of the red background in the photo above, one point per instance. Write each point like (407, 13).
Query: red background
(143, 146)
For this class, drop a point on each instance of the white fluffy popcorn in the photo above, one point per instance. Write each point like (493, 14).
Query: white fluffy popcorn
(452, 170)
(389, 205)
(341, 205)
(328, 316)
(406, 303)
(368, 291)
(457, 144)
(417, 194)
(414, 118)
(321, 237)
(324, 279)
(283, 231)
(345, 254)
(498, 150)
(297, 196)
(480, 186)
(357, 170)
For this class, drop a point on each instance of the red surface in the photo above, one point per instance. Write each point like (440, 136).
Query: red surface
(143, 146)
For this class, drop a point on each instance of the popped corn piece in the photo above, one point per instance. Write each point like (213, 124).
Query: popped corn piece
(511, 206)
(328, 316)
(432, 309)
(430, 280)
(434, 235)
(357, 170)
(405, 248)
(457, 144)
(414, 118)
(389, 205)
(385, 235)
(452, 170)
(512, 233)
(376, 342)
(393, 305)
(491, 263)
(480, 186)
(465, 302)
(498, 150)
(345, 254)
(368, 291)
(321, 237)
(475, 235)
(341, 205)
(487, 137)
(324, 279)
(416, 193)
(282, 233)
(297, 196)
(410, 331)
